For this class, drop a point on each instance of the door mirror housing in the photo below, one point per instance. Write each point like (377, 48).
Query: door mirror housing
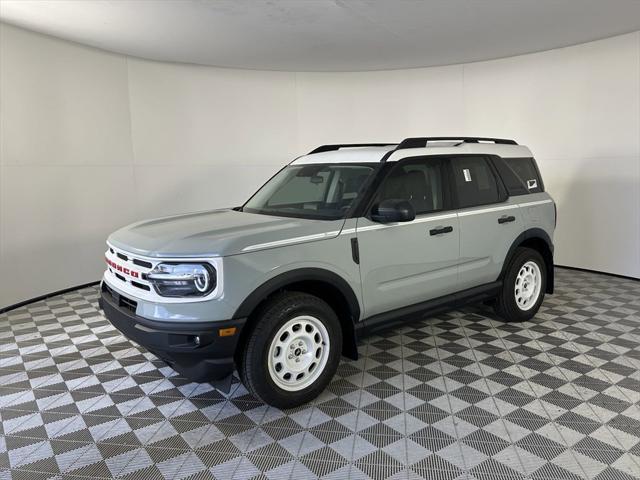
(393, 210)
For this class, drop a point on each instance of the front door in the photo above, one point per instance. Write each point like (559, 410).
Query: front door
(406, 263)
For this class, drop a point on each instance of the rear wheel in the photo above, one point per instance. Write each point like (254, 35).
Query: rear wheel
(293, 351)
(523, 287)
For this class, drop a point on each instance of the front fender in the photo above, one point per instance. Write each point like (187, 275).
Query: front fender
(295, 275)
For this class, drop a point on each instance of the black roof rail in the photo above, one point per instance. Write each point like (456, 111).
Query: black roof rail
(329, 148)
(420, 142)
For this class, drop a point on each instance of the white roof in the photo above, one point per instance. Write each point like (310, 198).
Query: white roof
(375, 154)
(346, 155)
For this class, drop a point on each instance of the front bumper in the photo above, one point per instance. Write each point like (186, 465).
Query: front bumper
(197, 350)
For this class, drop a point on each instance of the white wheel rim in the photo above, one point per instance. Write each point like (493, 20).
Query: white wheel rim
(527, 287)
(298, 353)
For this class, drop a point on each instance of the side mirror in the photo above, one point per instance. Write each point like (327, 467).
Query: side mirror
(393, 210)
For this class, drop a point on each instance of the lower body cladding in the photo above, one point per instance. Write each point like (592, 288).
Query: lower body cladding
(201, 351)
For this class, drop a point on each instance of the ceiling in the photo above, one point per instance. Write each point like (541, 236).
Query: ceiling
(325, 35)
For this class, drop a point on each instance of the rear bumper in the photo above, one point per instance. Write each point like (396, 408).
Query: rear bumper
(194, 349)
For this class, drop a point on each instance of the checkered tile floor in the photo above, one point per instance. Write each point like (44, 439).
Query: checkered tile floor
(459, 396)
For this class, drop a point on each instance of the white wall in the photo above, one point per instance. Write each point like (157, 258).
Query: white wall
(90, 141)
(65, 161)
(577, 108)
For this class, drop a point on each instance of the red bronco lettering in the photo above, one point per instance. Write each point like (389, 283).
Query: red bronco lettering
(120, 268)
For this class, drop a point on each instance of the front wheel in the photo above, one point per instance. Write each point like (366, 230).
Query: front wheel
(293, 350)
(523, 287)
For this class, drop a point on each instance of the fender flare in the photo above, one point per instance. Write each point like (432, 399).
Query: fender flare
(299, 275)
(527, 235)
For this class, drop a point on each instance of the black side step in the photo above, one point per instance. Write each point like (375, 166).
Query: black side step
(386, 320)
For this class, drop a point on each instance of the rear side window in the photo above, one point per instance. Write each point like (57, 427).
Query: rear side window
(474, 181)
(521, 176)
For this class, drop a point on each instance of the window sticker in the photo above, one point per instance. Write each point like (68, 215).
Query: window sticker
(531, 184)
(467, 174)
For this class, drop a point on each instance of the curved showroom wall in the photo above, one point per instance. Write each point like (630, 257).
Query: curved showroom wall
(90, 141)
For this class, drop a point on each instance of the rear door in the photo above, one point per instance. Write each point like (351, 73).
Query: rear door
(406, 263)
(489, 220)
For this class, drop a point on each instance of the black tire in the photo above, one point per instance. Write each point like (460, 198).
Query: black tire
(506, 305)
(253, 366)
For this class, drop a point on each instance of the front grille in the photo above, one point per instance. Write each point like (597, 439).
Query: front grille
(120, 300)
(128, 303)
(130, 263)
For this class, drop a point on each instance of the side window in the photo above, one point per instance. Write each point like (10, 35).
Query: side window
(417, 181)
(527, 171)
(474, 181)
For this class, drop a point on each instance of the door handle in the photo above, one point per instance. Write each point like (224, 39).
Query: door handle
(440, 230)
(507, 219)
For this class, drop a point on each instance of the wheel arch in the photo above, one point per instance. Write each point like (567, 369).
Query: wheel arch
(324, 284)
(539, 240)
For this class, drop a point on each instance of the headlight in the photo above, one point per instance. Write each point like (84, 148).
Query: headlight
(183, 279)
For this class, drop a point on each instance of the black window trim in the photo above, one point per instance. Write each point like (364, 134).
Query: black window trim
(502, 188)
(499, 162)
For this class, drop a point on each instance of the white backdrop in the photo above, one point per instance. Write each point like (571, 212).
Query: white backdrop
(90, 141)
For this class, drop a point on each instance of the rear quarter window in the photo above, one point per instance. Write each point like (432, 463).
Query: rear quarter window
(520, 175)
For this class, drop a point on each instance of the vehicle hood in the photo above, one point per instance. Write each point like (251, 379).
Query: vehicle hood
(218, 233)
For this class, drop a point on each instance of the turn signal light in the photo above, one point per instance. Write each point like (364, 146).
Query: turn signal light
(227, 332)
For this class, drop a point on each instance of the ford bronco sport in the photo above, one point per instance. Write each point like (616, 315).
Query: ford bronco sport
(340, 243)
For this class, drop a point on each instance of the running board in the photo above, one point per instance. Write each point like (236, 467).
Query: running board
(393, 318)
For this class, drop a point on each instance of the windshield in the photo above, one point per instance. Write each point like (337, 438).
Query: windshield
(320, 191)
